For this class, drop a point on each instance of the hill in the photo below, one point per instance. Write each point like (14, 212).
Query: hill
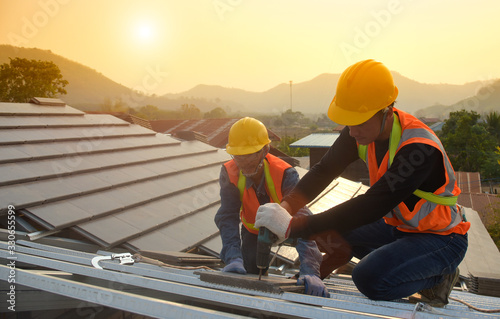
(486, 99)
(88, 90)
(86, 87)
(314, 96)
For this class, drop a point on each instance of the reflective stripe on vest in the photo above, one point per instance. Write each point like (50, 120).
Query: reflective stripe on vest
(242, 180)
(435, 212)
(393, 146)
(273, 176)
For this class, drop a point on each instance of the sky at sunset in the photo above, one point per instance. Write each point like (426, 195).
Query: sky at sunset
(257, 44)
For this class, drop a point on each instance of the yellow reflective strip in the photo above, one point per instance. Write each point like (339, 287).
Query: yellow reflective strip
(362, 149)
(436, 199)
(242, 181)
(396, 134)
(395, 138)
(251, 226)
(270, 183)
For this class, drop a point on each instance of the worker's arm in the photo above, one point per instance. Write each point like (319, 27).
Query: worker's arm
(309, 254)
(342, 153)
(227, 219)
(405, 175)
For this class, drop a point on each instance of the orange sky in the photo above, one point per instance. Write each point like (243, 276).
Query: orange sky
(258, 44)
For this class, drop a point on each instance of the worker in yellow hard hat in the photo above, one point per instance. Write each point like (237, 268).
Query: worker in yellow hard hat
(252, 178)
(407, 229)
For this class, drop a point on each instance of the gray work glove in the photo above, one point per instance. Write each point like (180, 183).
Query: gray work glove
(236, 265)
(314, 286)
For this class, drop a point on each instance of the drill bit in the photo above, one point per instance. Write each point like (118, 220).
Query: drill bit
(260, 273)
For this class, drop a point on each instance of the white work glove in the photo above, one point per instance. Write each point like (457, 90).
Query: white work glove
(275, 218)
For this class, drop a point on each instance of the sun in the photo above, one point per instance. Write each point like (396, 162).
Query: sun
(144, 32)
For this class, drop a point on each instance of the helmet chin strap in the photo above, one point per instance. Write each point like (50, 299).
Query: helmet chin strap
(382, 127)
(256, 170)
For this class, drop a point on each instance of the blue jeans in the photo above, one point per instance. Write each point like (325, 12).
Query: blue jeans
(396, 264)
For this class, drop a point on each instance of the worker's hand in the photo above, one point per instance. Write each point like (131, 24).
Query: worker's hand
(236, 265)
(314, 286)
(275, 218)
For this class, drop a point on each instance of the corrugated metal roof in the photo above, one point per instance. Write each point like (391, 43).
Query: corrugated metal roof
(320, 140)
(469, 182)
(216, 130)
(164, 291)
(484, 204)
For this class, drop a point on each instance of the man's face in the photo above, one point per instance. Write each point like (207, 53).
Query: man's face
(248, 163)
(368, 131)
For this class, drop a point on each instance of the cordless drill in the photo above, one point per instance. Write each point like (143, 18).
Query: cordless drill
(265, 241)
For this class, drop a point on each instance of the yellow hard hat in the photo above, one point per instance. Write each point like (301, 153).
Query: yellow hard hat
(363, 89)
(247, 136)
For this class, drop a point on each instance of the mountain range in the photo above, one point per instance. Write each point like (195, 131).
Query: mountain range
(88, 90)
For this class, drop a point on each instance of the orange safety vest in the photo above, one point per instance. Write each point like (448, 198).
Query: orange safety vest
(274, 169)
(435, 212)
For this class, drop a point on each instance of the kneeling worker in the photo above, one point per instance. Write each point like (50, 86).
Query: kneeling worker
(252, 178)
(407, 229)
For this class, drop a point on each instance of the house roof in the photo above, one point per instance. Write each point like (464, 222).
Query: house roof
(436, 127)
(469, 182)
(122, 187)
(484, 204)
(132, 119)
(110, 181)
(316, 140)
(216, 130)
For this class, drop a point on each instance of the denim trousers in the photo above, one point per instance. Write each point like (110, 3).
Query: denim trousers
(396, 264)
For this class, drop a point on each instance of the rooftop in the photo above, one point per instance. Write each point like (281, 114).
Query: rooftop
(87, 185)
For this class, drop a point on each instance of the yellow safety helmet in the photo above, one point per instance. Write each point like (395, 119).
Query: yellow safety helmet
(363, 89)
(247, 136)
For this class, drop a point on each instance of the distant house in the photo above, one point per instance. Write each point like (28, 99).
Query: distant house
(214, 132)
(436, 127)
(429, 120)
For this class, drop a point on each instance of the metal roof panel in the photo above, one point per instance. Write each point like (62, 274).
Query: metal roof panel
(32, 109)
(60, 214)
(109, 229)
(322, 140)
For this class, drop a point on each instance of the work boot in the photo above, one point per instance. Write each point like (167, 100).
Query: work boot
(437, 296)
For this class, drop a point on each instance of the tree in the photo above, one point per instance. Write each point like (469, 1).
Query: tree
(190, 111)
(289, 117)
(23, 79)
(284, 146)
(467, 141)
(216, 113)
(493, 122)
(117, 106)
(148, 112)
(490, 169)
